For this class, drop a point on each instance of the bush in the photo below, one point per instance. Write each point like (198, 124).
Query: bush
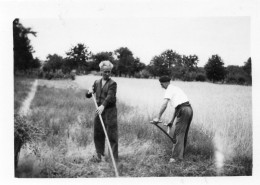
(72, 76)
(56, 75)
(24, 133)
(137, 75)
(237, 79)
(145, 74)
(189, 77)
(49, 76)
(231, 79)
(41, 74)
(200, 77)
(241, 80)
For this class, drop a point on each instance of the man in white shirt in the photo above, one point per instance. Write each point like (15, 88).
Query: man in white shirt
(183, 112)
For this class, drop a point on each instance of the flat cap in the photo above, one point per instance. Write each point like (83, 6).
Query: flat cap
(163, 79)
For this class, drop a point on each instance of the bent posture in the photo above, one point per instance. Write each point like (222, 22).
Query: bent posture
(183, 113)
(105, 90)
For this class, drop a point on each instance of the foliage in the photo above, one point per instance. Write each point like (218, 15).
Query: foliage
(236, 75)
(99, 57)
(215, 70)
(200, 77)
(163, 64)
(173, 64)
(53, 63)
(191, 76)
(137, 66)
(125, 60)
(169, 62)
(190, 62)
(248, 69)
(145, 73)
(56, 75)
(126, 64)
(25, 133)
(159, 67)
(77, 58)
(23, 58)
(36, 63)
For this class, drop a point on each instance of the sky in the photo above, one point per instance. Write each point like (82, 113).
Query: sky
(229, 37)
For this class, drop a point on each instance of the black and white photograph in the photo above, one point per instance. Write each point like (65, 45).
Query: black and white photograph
(154, 90)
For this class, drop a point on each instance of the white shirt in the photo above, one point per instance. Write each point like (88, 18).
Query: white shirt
(175, 95)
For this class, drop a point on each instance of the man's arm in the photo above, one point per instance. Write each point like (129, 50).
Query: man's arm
(163, 107)
(172, 120)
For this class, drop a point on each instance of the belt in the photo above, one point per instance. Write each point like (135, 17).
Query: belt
(182, 105)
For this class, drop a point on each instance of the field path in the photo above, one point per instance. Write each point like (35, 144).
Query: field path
(25, 108)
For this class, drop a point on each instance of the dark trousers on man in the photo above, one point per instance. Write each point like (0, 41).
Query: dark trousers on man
(184, 116)
(109, 117)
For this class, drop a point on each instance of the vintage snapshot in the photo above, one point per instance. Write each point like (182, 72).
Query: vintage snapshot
(132, 96)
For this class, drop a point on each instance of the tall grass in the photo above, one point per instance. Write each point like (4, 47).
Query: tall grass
(67, 117)
(222, 111)
(22, 87)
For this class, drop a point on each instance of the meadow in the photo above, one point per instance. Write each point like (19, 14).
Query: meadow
(21, 89)
(219, 143)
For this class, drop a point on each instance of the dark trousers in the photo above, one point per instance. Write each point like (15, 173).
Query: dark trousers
(184, 116)
(109, 117)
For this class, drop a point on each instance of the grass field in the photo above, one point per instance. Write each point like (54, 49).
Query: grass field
(219, 143)
(21, 89)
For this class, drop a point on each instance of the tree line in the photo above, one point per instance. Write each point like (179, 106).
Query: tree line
(81, 60)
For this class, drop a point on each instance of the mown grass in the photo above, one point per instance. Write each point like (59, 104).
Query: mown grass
(67, 147)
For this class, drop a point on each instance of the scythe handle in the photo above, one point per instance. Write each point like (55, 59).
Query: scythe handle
(109, 146)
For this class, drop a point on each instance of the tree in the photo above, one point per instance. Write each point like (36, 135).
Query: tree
(36, 63)
(171, 58)
(23, 58)
(137, 66)
(158, 66)
(99, 57)
(215, 70)
(125, 60)
(188, 67)
(190, 63)
(53, 63)
(247, 67)
(165, 63)
(235, 75)
(77, 58)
